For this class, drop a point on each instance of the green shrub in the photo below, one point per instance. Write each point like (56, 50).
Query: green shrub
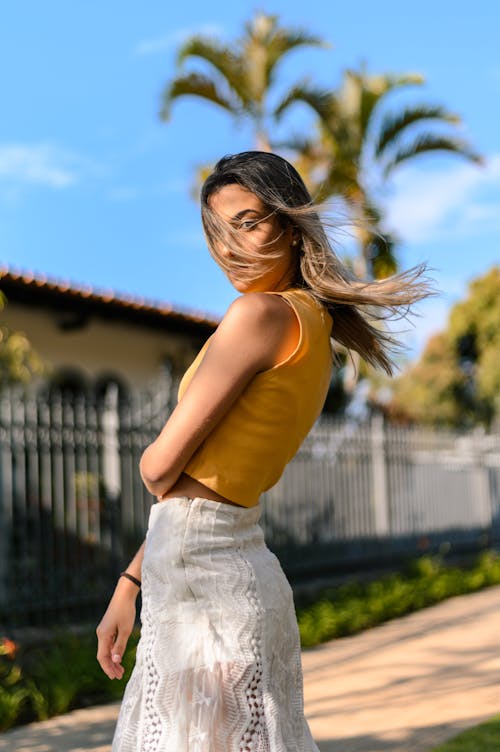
(13, 692)
(55, 677)
(352, 607)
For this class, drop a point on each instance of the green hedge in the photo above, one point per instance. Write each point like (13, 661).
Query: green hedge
(350, 608)
(52, 678)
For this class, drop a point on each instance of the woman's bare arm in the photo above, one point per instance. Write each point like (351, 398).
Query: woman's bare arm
(254, 330)
(117, 624)
(257, 330)
(135, 566)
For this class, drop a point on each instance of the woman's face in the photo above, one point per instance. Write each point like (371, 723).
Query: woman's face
(260, 231)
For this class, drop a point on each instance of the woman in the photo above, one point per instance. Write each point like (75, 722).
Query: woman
(218, 662)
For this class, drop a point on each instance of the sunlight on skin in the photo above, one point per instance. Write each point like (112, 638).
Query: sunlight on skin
(246, 211)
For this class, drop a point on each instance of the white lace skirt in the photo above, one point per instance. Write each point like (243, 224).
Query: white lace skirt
(218, 664)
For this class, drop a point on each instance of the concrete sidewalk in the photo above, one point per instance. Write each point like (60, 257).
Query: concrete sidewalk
(404, 686)
(409, 684)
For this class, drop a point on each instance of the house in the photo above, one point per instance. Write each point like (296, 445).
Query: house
(92, 337)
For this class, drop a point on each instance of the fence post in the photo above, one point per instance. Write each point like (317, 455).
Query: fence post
(111, 469)
(481, 480)
(379, 476)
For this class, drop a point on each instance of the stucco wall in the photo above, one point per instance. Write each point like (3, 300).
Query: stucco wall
(131, 351)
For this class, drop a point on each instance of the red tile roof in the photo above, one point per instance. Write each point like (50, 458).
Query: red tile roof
(37, 289)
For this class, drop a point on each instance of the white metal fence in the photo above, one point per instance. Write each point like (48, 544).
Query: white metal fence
(368, 493)
(73, 509)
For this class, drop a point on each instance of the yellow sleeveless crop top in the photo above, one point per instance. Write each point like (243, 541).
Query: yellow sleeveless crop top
(247, 451)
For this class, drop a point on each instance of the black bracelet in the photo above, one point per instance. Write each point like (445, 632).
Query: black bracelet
(131, 578)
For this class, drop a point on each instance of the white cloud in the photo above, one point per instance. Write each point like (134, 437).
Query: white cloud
(41, 164)
(450, 203)
(155, 45)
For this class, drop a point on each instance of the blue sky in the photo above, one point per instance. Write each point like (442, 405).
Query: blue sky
(94, 188)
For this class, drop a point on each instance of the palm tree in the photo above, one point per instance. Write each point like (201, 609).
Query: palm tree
(353, 132)
(242, 75)
(354, 135)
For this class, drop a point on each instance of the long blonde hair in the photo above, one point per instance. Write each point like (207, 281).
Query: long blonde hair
(351, 301)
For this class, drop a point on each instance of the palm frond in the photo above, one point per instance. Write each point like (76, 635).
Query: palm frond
(380, 83)
(432, 142)
(393, 125)
(337, 182)
(264, 45)
(361, 92)
(227, 62)
(321, 101)
(310, 156)
(296, 143)
(206, 48)
(198, 85)
(265, 29)
(286, 40)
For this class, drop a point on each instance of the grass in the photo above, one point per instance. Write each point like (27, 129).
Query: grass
(482, 738)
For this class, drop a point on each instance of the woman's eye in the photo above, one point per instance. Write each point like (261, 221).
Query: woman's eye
(248, 225)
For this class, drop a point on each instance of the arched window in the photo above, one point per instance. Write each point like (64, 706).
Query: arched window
(68, 384)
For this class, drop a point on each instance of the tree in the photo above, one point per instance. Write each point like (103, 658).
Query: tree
(456, 382)
(19, 362)
(357, 135)
(241, 76)
(354, 132)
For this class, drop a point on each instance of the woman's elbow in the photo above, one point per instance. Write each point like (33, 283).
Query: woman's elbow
(156, 485)
(150, 469)
(156, 477)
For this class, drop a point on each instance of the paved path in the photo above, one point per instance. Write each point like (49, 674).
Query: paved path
(409, 684)
(404, 686)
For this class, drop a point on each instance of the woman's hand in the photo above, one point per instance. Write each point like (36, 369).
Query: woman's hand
(115, 628)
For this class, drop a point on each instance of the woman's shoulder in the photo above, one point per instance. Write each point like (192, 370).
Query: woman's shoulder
(260, 309)
(262, 323)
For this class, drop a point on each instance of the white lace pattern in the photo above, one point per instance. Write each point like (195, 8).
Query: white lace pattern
(218, 663)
